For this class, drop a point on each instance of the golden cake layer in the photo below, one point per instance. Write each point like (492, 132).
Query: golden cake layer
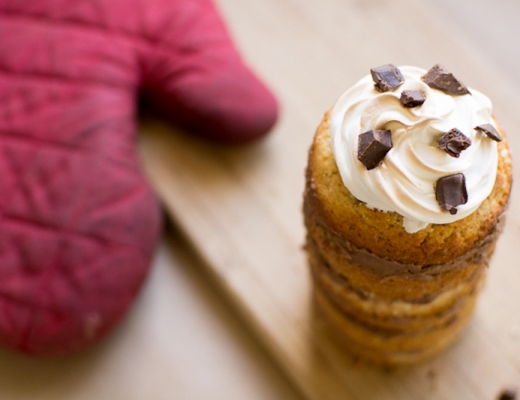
(394, 297)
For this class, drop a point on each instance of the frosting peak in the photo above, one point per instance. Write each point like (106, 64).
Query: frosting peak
(405, 180)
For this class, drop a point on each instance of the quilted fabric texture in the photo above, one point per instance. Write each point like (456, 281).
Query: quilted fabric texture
(78, 221)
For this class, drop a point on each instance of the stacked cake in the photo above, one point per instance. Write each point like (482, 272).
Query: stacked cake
(407, 182)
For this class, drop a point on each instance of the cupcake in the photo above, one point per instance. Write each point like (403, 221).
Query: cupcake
(407, 184)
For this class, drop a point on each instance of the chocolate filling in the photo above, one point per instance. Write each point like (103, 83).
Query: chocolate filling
(323, 266)
(384, 268)
(388, 333)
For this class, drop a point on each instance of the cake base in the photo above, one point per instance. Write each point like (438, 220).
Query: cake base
(393, 297)
(391, 332)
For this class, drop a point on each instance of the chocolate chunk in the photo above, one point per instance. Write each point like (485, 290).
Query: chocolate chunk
(373, 146)
(508, 394)
(453, 142)
(489, 130)
(438, 78)
(450, 191)
(412, 98)
(387, 77)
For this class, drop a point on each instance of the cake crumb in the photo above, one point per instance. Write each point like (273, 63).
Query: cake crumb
(433, 379)
(508, 394)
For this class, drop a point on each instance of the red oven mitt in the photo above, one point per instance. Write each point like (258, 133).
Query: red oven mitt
(78, 221)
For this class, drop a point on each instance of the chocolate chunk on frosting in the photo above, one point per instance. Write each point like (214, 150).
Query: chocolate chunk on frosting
(439, 78)
(387, 77)
(412, 98)
(454, 142)
(373, 146)
(490, 131)
(450, 192)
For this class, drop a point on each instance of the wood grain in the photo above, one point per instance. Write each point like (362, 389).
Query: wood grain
(242, 207)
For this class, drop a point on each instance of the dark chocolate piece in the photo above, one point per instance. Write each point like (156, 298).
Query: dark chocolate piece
(508, 394)
(387, 77)
(454, 142)
(489, 130)
(412, 98)
(373, 146)
(439, 78)
(450, 191)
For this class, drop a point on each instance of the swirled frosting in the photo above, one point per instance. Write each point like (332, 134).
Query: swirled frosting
(405, 180)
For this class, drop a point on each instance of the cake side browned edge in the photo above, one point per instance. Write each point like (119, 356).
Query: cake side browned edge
(381, 233)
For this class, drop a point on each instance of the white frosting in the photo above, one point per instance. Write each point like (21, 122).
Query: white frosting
(404, 182)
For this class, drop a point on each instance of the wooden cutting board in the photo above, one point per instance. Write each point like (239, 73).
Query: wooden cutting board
(241, 208)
